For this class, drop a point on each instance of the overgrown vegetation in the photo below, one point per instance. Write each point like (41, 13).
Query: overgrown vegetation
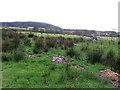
(16, 48)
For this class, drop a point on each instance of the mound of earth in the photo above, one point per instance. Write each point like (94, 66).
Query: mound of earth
(111, 75)
(114, 77)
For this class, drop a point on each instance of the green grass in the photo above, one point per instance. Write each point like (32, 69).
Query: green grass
(39, 72)
(55, 35)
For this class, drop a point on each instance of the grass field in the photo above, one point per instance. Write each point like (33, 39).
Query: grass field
(53, 35)
(22, 71)
(39, 72)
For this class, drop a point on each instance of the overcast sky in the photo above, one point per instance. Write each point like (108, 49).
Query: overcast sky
(73, 14)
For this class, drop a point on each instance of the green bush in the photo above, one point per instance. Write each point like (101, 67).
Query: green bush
(72, 53)
(9, 34)
(15, 43)
(18, 55)
(9, 45)
(22, 36)
(7, 57)
(94, 56)
(10, 40)
(27, 42)
(6, 45)
(39, 45)
(117, 64)
(84, 48)
(30, 35)
(50, 43)
(77, 40)
(110, 57)
(35, 37)
(68, 43)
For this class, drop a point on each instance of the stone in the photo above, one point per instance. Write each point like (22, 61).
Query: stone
(58, 59)
(78, 67)
(31, 55)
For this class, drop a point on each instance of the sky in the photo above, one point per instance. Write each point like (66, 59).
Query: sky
(69, 14)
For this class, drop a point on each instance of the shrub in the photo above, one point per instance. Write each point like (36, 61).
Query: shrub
(15, 43)
(39, 45)
(68, 43)
(76, 40)
(50, 43)
(27, 42)
(35, 37)
(111, 57)
(19, 55)
(107, 58)
(71, 52)
(7, 57)
(6, 45)
(22, 36)
(84, 48)
(94, 56)
(30, 35)
(58, 41)
(35, 50)
(10, 40)
(9, 34)
(117, 64)
(119, 42)
(9, 45)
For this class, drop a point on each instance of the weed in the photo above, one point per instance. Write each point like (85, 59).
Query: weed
(94, 56)
(19, 55)
(7, 57)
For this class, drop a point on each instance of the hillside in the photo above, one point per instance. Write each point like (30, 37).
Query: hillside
(31, 24)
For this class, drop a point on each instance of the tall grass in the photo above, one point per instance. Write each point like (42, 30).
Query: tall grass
(40, 72)
(103, 52)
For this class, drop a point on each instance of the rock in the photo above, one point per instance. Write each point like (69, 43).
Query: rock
(117, 84)
(78, 67)
(31, 55)
(53, 60)
(58, 59)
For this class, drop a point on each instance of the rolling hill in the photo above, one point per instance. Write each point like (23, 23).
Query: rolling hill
(31, 24)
